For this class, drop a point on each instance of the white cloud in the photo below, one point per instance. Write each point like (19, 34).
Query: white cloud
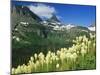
(42, 10)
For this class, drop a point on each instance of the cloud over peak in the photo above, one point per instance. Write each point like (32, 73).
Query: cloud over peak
(42, 10)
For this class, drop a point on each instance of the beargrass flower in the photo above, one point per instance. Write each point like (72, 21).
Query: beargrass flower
(13, 70)
(35, 55)
(83, 51)
(73, 57)
(17, 39)
(57, 65)
(32, 59)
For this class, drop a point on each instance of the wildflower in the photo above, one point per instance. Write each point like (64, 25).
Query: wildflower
(74, 41)
(49, 52)
(64, 49)
(73, 57)
(32, 58)
(83, 44)
(62, 56)
(13, 71)
(83, 51)
(16, 29)
(17, 39)
(41, 58)
(57, 65)
(47, 58)
(68, 55)
(29, 69)
(24, 68)
(18, 70)
(14, 37)
(37, 63)
(35, 55)
(56, 58)
(58, 52)
(30, 62)
(53, 57)
(77, 52)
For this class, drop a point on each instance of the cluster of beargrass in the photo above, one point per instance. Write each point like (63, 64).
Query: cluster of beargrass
(82, 55)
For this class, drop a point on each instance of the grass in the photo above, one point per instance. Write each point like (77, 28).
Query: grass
(80, 56)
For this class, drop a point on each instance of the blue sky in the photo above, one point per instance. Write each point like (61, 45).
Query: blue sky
(83, 15)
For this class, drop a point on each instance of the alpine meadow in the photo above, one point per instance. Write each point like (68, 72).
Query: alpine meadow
(52, 37)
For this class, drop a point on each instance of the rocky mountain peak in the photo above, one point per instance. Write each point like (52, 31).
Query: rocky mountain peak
(53, 19)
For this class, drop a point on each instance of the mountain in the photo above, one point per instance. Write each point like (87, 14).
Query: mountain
(92, 27)
(53, 19)
(52, 22)
(23, 14)
(24, 24)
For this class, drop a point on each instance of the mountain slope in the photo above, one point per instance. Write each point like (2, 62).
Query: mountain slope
(24, 24)
(53, 18)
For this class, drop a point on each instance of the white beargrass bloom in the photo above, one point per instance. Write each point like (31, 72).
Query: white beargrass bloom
(41, 56)
(83, 44)
(57, 65)
(47, 58)
(57, 58)
(30, 62)
(35, 55)
(14, 37)
(52, 54)
(32, 59)
(13, 71)
(53, 57)
(29, 69)
(58, 52)
(77, 52)
(25, 68)
(64, 49)
(16, 29)
(62, 56)
(22, 69)
(74, 41)
(17, 39)
(18, 70)
(37, 63)
(68, 55)
(83, 51)
(73, 57)
(71, 50)
(49, 52)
